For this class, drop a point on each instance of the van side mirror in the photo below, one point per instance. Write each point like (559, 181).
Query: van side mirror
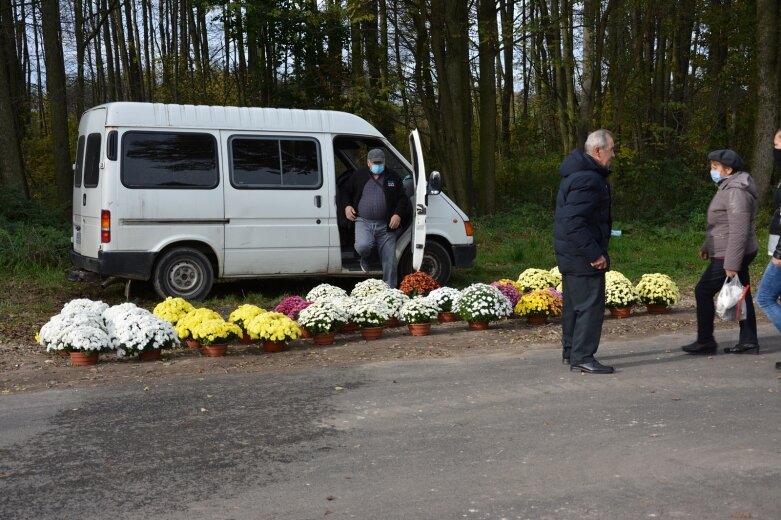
(434, 183)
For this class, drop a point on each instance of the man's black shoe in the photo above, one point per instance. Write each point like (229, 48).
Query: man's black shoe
(593, 367)
(778, 365)
(700, 348)
(565, 356)
(742, 348)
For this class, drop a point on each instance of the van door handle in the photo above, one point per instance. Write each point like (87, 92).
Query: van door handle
(83, 199)
(318, 200)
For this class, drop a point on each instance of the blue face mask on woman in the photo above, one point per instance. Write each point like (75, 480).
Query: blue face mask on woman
(716, 176)
(378, 168)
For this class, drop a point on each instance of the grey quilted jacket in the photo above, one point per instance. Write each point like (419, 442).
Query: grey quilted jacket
(731, 232)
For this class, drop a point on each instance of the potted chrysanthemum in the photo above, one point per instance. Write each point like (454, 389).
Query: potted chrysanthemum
(322, 319)
(185, 325)
(274, 329)
(536, 306)
(325, 290)
(370, 314)
(657, 291)
(214, 335)
(136, 331)
(368, 288)
(418, 284)
(241, 316)
(620, 294)
(80, 334)
(172, 309)
(532, 279)
(480, 304)
(418, 314)
(511, 290)
(394, 299)
(445, 298)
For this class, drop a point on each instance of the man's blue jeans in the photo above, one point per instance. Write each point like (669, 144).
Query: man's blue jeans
(769, 292)
(371, 233)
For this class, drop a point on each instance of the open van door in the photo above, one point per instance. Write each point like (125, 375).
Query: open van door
(419, 178)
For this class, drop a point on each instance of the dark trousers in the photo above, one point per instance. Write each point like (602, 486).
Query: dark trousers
(581, 319)
(710, 283)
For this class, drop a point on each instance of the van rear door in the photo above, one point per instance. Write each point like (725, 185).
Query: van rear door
(277, 205)
(87, 183)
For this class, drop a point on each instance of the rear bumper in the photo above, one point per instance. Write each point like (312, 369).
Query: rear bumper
(132, 265)
(464, 256)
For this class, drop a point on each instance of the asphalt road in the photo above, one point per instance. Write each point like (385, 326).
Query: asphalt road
(499, 436)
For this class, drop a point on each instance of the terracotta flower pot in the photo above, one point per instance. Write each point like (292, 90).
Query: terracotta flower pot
(245, 339)
(392, 323)
(273, 346)
(447, 316)
(324, 338)
(216, 350)
(83, 359)
(192, 343)
(150, 355)
(371, 333)
(419, 329)
(478, 325)
(305, 333)
(620, 312)
(657, 308)
(349, 327)
(536, 320)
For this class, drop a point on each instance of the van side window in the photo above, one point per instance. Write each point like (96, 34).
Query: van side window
(169, 160)
(79, 163)
(274, 163)
(92, 161)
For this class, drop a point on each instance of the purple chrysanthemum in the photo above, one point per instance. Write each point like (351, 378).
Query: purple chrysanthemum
(291, 306)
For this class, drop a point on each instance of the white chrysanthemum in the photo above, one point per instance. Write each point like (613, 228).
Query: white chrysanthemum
(420, 310)
(369, 287)
(445, 297)
(482, 302)
(325, 290)
(84, 306)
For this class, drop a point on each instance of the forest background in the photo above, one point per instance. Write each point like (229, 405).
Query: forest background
(501, 89)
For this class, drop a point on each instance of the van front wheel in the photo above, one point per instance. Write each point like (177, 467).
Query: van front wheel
(184, 273)
(436, 262)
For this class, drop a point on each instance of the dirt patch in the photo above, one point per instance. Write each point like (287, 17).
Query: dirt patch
(25, 366)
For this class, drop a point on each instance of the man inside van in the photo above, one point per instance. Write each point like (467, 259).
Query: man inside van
(375, 201)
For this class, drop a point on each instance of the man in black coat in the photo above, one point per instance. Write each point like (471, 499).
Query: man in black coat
(374, 199)
(581, 233)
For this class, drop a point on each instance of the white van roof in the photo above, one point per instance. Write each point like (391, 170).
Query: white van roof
(160, 115)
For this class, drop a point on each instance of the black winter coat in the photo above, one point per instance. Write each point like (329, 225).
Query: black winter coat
(582, 224)
(351, 190)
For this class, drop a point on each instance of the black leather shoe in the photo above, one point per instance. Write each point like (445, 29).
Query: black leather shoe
(700, 348)
(778, 365)
(742, 348)
(593, 367)
(565, 357)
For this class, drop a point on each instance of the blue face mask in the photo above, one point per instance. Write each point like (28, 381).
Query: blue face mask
(716, 176)
(378, 168)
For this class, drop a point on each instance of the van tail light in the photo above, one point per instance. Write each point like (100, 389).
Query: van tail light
(105, 226)
(468, 228)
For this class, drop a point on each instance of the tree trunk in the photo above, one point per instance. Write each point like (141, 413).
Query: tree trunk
(767, 92)
(12, 173)
(55, 87)
(508, 46)
(487, 49)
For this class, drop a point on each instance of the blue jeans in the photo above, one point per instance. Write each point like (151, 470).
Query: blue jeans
(371, 233)
(769, 292)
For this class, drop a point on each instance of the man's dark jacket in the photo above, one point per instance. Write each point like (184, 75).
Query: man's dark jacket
(581, 229)
(351, 190)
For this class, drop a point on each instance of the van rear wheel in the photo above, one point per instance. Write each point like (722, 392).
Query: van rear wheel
(184, 273)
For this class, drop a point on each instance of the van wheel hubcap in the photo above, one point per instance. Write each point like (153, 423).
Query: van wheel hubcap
(184, 276)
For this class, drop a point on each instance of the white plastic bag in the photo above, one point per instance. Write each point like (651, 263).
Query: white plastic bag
(730, 302)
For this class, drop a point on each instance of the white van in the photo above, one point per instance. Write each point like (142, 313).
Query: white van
(183, 195)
